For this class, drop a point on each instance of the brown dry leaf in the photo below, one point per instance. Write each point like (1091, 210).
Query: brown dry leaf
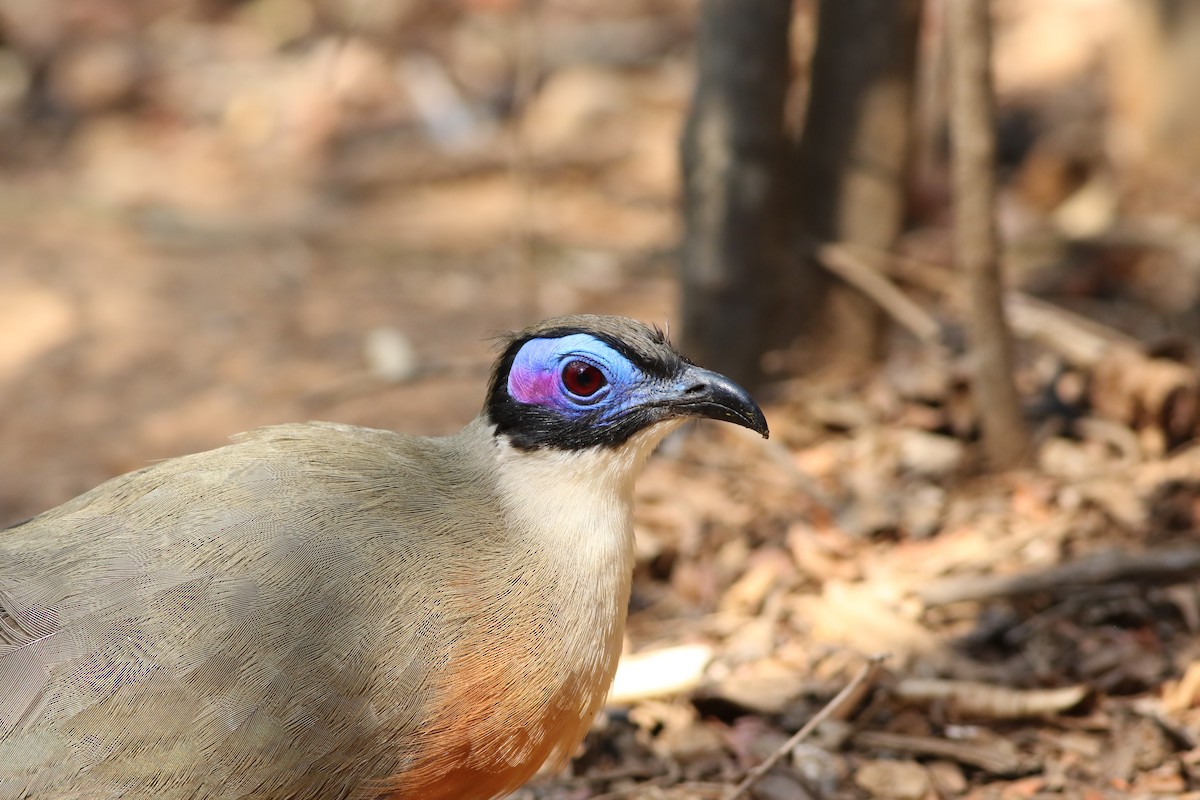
(1184, 693)
(674, 731)
(1027, 787)
(1186, 600)
(822, 555)
(1147, 393)
(753, 740)
(1071, 460)
(947, 778)
(751, 639)
(1139, 744)
(1116, 496)
(766, 570)
(893, 780)
(859, 616)
(1114, 658)
(99, 75)
(768, 686)
(1162, 781)
(697, 582)
(659, 673)
(962, 549)
(823, 768)
(660, 508)
(1087, 745)
(779, 785)
(929, 454)
(822, 461)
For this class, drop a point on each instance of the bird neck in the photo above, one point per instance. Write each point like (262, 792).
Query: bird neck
(576, 505)
(570, 519)
(546, 613)
(571, 511)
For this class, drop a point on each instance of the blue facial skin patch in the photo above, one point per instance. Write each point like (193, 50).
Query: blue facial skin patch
(535, 377)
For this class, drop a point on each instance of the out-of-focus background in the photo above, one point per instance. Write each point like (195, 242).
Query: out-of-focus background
(217, 214)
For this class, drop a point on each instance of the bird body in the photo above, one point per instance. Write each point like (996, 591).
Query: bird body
(323, 611)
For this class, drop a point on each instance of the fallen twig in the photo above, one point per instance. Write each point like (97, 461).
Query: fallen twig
(849, 694)
(988, 757)
(856, 271)
(988, 700)
(1079, 341)
(1127, 384)
(1112, 566)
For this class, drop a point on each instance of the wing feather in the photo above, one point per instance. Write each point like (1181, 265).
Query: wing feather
(233, 604)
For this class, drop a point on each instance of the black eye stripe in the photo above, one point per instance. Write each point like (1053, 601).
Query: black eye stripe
(530, 427)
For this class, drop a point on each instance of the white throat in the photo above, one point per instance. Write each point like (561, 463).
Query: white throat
(577, 500)
(575, 511)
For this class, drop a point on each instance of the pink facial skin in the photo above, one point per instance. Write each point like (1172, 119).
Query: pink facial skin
(535, 379)
(533, 386)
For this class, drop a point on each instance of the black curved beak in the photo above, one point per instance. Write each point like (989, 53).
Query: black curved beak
(710, 394)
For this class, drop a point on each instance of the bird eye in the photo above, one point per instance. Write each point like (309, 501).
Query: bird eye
(582, 379)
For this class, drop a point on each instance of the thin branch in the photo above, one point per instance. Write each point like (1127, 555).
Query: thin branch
(1005, 434)
(860, 274)
(850, 693)
(1154, 568)
(998, 761)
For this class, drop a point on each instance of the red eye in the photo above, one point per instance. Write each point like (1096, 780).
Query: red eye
(582, 379)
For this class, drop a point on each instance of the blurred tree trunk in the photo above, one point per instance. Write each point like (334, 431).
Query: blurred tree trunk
(751, 281)
(734, 154)
(852, 164)
(973, 129)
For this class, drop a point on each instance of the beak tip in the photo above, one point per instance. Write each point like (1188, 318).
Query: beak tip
(727, 401)
(760, 424)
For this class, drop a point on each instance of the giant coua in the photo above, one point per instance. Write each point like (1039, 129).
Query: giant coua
(326, 612)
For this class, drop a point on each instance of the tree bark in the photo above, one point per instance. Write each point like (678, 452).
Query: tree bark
(734, 155)
(1005, 435)
(852, 164)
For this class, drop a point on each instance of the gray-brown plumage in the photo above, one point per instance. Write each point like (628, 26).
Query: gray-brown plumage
(323, 611)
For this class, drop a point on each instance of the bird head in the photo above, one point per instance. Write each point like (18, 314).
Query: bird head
(573, 383)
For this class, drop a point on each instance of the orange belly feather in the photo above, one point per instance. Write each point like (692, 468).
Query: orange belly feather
(492, 735)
